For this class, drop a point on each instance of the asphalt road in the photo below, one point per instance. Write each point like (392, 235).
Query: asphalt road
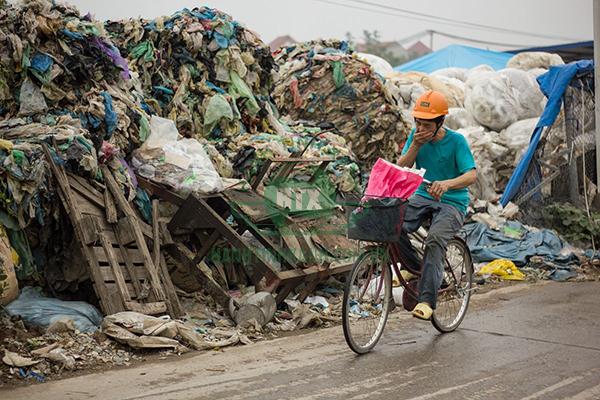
(527, 342)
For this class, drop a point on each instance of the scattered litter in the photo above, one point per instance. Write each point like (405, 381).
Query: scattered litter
(505, 269)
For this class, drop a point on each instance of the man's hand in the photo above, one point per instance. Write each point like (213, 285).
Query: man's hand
(423, 137)
(438, 188)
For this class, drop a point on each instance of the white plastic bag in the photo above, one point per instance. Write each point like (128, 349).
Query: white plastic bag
(182, 164)
(491, 100)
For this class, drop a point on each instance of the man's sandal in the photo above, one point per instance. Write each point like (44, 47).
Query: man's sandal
(422, 311)
(407, 275)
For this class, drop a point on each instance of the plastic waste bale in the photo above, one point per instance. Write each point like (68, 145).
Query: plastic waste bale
(9, 286)
(452, 72)
(451, 88)
(459, 118)
(534, 59)
(477, 70)
(516, 137)
(498, 99)
(180, 163)
(482, 143)
(503, 268)
(323, 82)
(41, 311)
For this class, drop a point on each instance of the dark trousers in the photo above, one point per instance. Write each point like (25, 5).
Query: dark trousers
(446, 221)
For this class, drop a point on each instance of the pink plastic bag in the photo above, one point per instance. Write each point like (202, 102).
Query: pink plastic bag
(390, 180)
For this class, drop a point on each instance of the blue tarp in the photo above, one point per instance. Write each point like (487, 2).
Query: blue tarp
(553, 84)
(456, 56)
(487, 244)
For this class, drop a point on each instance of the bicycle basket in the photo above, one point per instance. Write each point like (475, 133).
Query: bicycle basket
(376, 219)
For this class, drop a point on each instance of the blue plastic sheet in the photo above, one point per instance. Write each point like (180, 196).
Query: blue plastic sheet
(488, 245)
(110, 116)
(38, 310)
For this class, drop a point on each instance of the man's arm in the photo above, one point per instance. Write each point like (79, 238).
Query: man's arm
(419, 139)
(408, 158)
(438, 188)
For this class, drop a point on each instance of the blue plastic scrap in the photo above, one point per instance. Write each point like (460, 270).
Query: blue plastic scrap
(72, 35)
(41, 62)
(110, 116)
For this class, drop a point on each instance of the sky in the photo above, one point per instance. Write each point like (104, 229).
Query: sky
(565, 20)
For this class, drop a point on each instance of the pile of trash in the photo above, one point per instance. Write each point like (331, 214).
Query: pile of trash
(324, 82)
(214, 77)
(200, 68)
(495, 110)
(57, 63)
(63, 84)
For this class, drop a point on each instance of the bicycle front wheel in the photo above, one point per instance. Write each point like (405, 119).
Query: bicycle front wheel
(453, 298)
(367, 300)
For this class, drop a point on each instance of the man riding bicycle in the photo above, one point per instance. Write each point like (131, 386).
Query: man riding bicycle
(450, 167)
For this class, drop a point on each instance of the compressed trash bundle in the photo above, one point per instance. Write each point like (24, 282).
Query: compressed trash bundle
(324, 82)
(459, 118)
(201, 69)
(452, 72)
(516, 138)
(56, 62)
(451, 88)
(496, 155)
(497, 99)
(534, 59)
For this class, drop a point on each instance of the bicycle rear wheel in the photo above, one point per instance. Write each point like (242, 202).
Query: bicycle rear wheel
(453, 298)
(367, 300)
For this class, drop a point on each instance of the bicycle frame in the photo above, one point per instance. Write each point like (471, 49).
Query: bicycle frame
(396, 257)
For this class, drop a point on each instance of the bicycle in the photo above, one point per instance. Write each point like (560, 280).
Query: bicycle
(368, 292)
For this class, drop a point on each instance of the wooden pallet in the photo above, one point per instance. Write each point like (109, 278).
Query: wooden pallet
(114, 242)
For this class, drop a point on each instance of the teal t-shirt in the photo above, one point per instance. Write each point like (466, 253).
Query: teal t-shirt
(446, 159)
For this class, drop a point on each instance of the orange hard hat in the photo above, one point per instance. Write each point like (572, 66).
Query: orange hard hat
(430, 105)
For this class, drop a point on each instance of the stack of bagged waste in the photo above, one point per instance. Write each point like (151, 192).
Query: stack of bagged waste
(495, 110)
(325, 82)
(201, 69)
